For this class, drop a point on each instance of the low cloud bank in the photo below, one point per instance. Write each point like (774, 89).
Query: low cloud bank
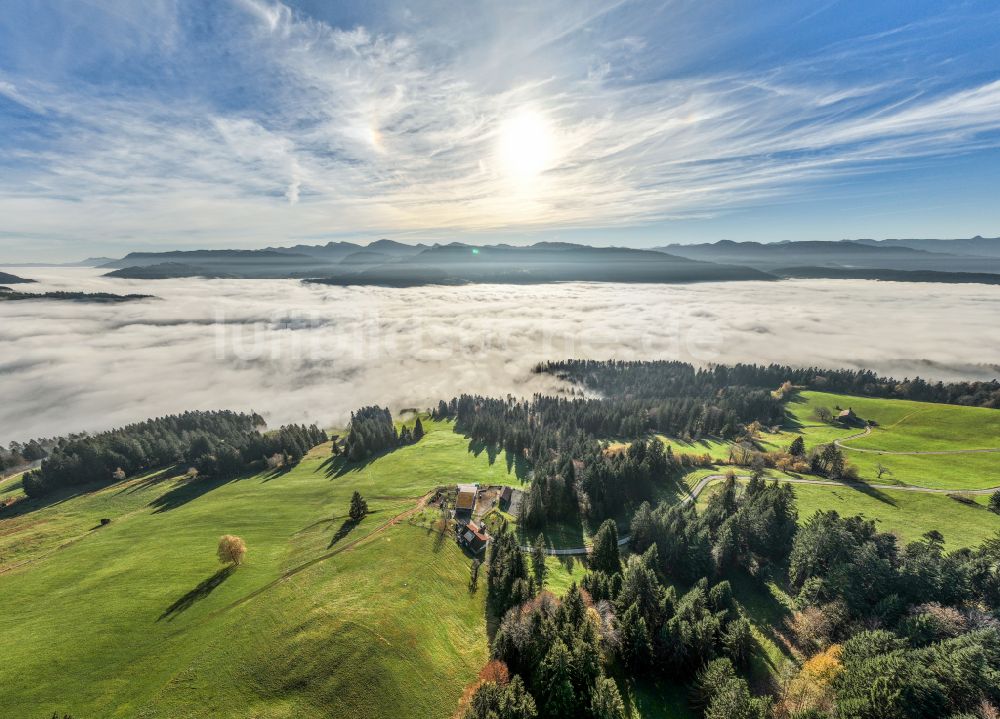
(298, 352)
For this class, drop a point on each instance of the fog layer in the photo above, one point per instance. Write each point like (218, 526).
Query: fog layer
(298, 352)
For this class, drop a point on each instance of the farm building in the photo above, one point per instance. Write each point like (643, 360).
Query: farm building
(505, 496)
(472, 536)
(465, 501)
(847, 416)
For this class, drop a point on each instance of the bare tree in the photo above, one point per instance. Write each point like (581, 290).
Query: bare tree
(881, 469)
(232, 549)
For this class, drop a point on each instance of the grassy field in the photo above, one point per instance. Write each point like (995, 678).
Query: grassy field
(906, 514)
(136, 619)
(715, 448)
(324, 618)
(903, 426)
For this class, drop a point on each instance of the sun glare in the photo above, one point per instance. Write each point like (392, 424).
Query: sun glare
(526, 145)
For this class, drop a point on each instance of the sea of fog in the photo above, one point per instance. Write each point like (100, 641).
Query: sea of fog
(298, 352)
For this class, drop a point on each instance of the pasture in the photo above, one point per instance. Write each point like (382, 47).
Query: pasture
(137, 618)
(902, 426)
(964, 522)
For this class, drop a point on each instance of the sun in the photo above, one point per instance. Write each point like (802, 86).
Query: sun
(526, 147)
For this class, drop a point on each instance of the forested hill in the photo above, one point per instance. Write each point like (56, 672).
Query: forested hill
(218, 444)
(561, 436)
(8, 279)
(9, 295)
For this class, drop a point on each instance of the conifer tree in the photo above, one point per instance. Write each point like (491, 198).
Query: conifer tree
(359, 507)
(538, 561)
(605, 556)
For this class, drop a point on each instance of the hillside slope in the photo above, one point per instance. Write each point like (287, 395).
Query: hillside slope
(323, 619)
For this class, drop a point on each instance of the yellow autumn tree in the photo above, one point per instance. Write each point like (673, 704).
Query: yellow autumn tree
(812, 687)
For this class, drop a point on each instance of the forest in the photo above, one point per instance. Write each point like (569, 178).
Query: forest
(672, 379)
(907, 632)
(887, 630)
(216, 444)
(372, 430)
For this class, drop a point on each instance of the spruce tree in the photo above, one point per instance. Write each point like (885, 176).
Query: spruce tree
(538, 561)
(359, 507)
(995, 502)
(605, 556)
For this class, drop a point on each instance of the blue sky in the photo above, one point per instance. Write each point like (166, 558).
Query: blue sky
(246, 123)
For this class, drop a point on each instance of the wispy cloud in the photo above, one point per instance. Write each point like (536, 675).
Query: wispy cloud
(290, 125)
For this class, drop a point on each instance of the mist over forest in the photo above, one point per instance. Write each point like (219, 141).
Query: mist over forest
(301, 352)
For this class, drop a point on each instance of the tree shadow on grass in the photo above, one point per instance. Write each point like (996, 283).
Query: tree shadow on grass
(203, 589)
(190, 490)
(769, 616)
(671, 489)
(50, 499)
(439, 539)
(568, 561)
(477, 447)
(344, 530)
(873, 492)
(338, 466)
(153, 479)
(276, 472)
(519, 464)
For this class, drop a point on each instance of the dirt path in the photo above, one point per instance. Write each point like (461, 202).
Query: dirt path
(868, 431)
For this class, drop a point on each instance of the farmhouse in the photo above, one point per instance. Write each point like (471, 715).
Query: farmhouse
(472, 536)
(847, 416)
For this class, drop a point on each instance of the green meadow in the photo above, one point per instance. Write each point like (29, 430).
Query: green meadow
(902, 426)
(326, 618)
(963, 520)
(136, 618)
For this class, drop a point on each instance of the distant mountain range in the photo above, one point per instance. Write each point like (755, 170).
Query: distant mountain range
(386, 262)
(934, 255)
(89, 262)
(395, 264)
(975, 246)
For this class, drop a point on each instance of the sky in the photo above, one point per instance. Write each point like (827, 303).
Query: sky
(174, 124)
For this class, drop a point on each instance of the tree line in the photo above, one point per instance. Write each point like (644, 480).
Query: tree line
(215, 443)
(18, 454)
(670, 378)
(372, 430)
